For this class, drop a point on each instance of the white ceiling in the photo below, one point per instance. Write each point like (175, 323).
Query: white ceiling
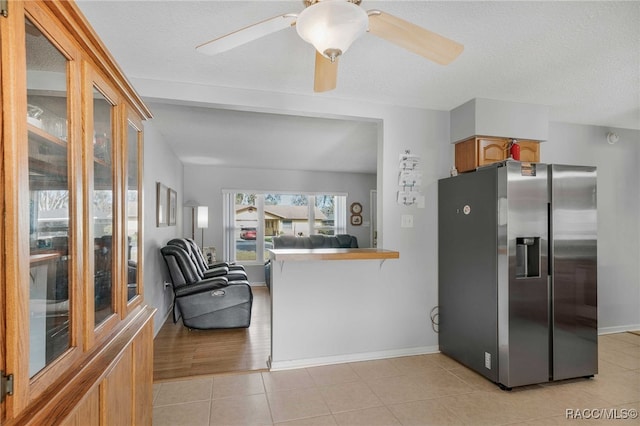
(582, 59)
(222, 137)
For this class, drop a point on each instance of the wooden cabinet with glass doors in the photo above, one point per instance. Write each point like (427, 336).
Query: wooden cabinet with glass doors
(75, 324)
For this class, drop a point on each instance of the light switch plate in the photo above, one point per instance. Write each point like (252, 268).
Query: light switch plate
(406, 221)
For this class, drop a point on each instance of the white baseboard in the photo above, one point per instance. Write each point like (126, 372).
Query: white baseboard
(618, 329)
(369, 356)
(166, 317)
(342, 359)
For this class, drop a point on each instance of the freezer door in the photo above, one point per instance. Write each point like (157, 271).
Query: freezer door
(574, 271)
(523, 287)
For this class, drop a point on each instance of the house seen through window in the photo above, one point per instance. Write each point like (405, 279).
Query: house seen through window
(255, 218)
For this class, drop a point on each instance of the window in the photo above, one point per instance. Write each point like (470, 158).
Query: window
(252, 219)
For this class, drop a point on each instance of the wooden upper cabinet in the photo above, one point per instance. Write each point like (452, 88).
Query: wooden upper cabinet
(529, 151)
(466, 155)
(481, 150)
(491, 150)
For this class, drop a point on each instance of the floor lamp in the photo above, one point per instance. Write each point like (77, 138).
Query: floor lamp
(203, 220)
(192, 204)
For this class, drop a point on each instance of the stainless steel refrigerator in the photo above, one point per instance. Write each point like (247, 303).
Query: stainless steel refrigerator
(517, 271)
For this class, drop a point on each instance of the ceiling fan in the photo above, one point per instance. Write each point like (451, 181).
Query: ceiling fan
(331, 26)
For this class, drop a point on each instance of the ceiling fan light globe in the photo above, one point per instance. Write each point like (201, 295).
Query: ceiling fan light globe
(332, 25)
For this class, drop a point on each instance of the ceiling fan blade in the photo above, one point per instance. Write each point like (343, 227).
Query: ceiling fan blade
(326, 74)
(247, 34)
(413, 38)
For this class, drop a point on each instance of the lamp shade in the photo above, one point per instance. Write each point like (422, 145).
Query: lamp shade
(331, 26)
(203, 217)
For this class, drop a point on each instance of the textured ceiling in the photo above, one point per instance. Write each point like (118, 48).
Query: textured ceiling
(582, 59)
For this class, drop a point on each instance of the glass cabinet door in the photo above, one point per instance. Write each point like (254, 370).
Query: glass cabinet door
(102, 207)
(49, 200)
(132, 213)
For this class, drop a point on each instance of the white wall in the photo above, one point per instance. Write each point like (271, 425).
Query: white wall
(160, 165)
(205, 184)
(618, 213)
(413, 278)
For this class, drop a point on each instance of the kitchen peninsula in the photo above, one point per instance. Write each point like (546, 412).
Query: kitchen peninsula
(326, 304)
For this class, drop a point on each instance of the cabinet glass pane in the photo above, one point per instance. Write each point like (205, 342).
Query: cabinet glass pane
(102, 206)
(132, 212)
(49, 233)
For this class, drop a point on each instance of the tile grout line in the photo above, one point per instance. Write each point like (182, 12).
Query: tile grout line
(266, 397)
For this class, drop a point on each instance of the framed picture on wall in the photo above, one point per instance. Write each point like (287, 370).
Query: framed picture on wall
(173, 207)
(162, 205)
(209, 254)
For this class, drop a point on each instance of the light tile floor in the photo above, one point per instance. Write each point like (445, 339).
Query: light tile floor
(416, 390)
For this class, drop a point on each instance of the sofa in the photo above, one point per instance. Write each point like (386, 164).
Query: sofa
(206, 303)
(315, 241)
(231, 272)
(309, 242)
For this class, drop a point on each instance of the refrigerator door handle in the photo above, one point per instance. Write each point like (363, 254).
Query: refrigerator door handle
(551, 322)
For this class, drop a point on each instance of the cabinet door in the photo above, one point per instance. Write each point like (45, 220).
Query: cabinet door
(133, 211)
(491, 150)
(103, 222)
(50, 201)
(529, 151)
(465, 154)
(117, 392)
(102, 207)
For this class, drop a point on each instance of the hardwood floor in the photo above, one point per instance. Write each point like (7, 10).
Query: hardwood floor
(179, 352)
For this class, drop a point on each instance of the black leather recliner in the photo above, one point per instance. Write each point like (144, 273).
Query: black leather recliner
(203, 261)
(231, 272)
(206, 303)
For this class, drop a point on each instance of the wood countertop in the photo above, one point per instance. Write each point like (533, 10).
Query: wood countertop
(280, 255)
